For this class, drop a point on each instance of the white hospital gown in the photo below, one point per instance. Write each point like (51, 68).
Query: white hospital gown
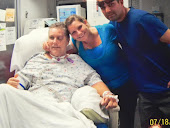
(57, 78)
(50, 84)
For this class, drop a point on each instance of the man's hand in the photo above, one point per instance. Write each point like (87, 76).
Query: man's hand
(13, 81)
(168, 85)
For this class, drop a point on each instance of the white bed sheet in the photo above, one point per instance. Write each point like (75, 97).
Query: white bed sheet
(22, 109)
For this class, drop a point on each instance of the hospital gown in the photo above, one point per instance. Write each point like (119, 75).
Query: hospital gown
(46, 104)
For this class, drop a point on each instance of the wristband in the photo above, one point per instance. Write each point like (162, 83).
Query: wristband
(114, 97)
(22, 86)
(106, 93)
(110, 94)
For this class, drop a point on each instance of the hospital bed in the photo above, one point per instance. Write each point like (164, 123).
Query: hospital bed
(30, 44)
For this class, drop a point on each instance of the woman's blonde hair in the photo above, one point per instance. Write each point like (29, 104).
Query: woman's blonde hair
(72, 18)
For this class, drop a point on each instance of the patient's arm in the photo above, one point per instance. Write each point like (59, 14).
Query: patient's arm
(108, 102)
(13, 81)
(16, 82)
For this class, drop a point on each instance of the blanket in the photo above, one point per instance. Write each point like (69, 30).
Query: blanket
(22, 109)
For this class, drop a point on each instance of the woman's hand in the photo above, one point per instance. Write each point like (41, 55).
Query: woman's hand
(109, 101)
(13, 81)
(45, 46)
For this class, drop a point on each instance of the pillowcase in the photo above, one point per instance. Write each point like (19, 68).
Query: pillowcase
(26, 46)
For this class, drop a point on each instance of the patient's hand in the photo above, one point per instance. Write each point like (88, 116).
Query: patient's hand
(109, 102)
(13, 81)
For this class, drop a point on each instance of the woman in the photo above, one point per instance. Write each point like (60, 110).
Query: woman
(50, 78)
(98, 47)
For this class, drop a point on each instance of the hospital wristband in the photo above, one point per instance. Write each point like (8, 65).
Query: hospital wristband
(114, 97)
(110, 94)
(106, 93)
(22, 86)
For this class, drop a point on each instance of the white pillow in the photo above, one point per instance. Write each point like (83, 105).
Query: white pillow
(87, 100)
(26, 46)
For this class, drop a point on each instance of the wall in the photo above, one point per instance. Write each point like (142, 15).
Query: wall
(52, 9)
(148, 4)
(5, 56)
(164, 7)
(33, 8)
(36, 9)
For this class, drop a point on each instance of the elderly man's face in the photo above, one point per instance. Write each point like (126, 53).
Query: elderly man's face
(57, 41)
(112, 9)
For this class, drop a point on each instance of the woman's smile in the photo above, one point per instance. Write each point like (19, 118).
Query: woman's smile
(81, 35)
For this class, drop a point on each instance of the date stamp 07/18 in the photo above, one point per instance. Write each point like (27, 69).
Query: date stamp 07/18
(159, 122)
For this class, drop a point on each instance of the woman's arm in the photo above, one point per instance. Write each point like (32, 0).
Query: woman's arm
(100, 87)
(108, 99)
(71, 49)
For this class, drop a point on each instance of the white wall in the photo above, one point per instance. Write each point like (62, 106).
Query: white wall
(33, 8)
